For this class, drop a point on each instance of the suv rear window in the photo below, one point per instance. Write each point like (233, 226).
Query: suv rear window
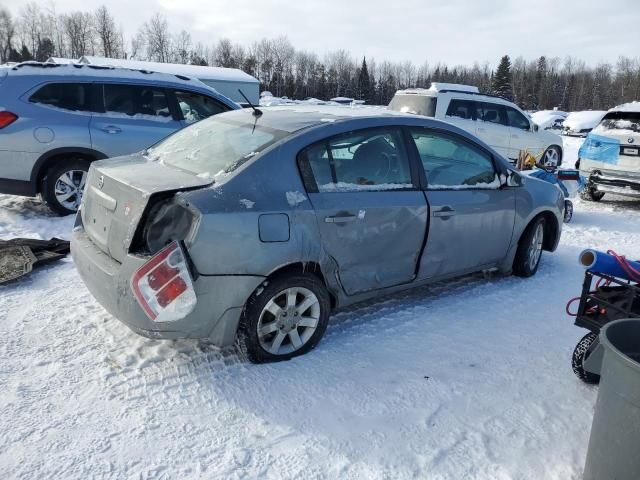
(622, 121)
(69, 96)
(416, 104)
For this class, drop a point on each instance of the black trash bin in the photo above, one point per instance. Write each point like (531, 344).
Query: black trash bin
(614, 445)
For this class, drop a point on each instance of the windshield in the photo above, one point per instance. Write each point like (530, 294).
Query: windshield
(416, 104)
(214, 146)
(622, 121)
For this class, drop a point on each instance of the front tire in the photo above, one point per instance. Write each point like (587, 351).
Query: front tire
(286, 318)
(580, 354)
(529, 252)
(63, 186)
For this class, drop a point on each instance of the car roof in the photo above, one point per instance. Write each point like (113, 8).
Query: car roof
(291, 118)
(37, 69)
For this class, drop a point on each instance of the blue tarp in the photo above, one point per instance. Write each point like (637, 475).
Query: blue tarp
(600, 149)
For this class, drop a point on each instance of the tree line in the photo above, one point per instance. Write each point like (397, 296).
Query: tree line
(569, 84)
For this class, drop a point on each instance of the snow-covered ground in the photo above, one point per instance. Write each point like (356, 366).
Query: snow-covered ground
(467, 379)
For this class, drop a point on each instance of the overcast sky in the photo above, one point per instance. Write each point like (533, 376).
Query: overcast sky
(450, 31)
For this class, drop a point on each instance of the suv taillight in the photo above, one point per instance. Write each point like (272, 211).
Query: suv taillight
(163, 285)
(7, 118)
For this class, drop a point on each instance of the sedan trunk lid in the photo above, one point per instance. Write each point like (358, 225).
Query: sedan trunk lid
(117, 193)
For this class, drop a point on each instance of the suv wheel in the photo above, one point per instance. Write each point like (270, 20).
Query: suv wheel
(63, 185)
(552, 156)
(529, 250)
(285, 319)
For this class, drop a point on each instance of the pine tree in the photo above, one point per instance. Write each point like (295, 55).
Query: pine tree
(502, 83)
(539, 97)
(364, 83)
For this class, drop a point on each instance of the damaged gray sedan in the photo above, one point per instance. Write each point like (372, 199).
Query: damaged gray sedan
(251, 227)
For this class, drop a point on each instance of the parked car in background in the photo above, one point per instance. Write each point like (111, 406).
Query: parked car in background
(496, 121)
(609, 159)
(57, 119)
(197, 237)
(549, 119)
(579, 124)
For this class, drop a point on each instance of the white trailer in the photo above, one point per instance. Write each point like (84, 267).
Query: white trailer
(226, 81)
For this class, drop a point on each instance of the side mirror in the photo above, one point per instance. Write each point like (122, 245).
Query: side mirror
(535, 127)
(511, 178)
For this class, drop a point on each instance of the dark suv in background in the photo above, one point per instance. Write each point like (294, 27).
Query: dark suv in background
(56, 119)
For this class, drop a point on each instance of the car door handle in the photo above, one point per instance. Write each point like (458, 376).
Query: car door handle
(111, 129)
(340, 219)
(515, 136)
(444, 212)
(481, 129)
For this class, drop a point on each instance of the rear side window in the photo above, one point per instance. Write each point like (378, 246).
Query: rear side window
(465, 109)
(453, 163)
(492, 113)
(196, 107)
(370, 160)
(68, 96)
(517, 120)
(136, 100)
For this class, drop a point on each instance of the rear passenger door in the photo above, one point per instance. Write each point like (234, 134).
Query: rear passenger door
(462, 113)
(472, 217)
(493, 127)
(371, 216)
(134, 117)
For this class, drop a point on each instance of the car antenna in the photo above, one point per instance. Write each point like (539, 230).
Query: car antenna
(256, 112)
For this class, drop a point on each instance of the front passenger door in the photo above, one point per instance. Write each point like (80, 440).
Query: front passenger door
(493, 127)
(472, 217)
(371, 217)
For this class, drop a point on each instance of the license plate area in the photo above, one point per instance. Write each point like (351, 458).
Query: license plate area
(633, 151)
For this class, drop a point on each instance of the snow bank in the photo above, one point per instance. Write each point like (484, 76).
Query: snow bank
(584, 120)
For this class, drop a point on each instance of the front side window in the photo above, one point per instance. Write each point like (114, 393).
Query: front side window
(517, 120)
(368, 160)
(68, 96)
(196, 107)
(135, 100)
(465, 109)
(492, 113)
(453, 163)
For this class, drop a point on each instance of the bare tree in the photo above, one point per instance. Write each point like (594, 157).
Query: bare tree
(107, 33)
(157, 39)
(7, 32)
(30, 24)
(80, 33)
(182, 47)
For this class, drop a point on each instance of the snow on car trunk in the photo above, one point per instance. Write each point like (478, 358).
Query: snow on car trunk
(465, 379)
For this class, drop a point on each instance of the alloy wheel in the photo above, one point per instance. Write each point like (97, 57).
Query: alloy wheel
(288, 320)
(535, 249)
(69, 188)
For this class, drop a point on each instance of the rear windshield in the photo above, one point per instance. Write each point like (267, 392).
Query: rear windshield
(622, 121)
(214, 146)
(416, 104)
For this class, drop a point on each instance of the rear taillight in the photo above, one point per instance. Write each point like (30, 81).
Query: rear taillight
(163, 286)
(7, 118)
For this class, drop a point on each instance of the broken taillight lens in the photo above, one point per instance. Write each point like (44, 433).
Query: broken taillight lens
(7, 118)
(163, 285)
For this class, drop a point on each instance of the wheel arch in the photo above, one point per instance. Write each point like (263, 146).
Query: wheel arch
(48, 159)
(312, 268)
(551, 230)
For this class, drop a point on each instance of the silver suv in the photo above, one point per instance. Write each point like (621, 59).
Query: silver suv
(56, 119)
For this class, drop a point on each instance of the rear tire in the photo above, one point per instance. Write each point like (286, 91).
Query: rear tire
(286, 318)
(63, 185)
(580, 355)
(529, 253)
(552, 157)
